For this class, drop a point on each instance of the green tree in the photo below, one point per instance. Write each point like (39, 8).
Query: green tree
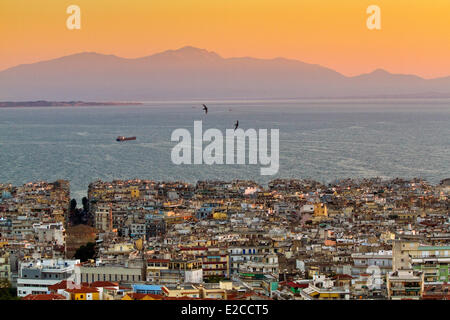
(73, 204)
(84, 253)
(85, 202)
(6, 291)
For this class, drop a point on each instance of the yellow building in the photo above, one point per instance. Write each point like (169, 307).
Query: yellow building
(320, 210)
(192, 291)
(134, 192)
(3, 243)
(324, 289)
(84, 293)
(325, 295)
(220, 215)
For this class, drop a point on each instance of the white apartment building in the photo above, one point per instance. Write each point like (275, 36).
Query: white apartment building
(35, 276)
(50, 232)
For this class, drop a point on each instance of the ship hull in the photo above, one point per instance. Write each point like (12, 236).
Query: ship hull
(120, 139)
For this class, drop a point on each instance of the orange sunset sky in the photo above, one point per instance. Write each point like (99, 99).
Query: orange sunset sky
(415, 34)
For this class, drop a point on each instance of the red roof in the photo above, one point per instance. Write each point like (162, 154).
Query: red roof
(82, 290)
(60, 285)
(139, 296)
(158, 260)
(297, 285)
(51, 296)
(165, 289)
(102, 284)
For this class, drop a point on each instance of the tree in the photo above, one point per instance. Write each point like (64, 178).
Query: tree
(6, 291)
(73, 205)
(85, 204)
(84, 253)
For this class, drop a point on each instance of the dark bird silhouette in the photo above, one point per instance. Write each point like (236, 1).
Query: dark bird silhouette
(205, 108)
(236, 125)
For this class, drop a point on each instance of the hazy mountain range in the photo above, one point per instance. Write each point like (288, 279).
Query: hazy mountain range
(192, 73)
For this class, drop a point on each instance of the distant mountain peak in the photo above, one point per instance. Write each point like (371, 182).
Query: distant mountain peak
(88, 54)
(380, 71)
(383, 74)
(191, 49)
(189, 52)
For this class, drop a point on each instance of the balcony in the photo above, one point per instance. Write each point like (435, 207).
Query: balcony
(403, 288)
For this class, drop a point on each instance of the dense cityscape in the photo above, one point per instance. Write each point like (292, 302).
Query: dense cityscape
(238, 240)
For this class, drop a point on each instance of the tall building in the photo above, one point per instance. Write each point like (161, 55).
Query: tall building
(401, 249)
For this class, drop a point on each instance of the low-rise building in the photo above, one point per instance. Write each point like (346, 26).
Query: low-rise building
(36, 276)
(405, 285)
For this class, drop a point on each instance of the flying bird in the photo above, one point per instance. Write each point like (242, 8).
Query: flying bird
(236, 125)
(205, 108)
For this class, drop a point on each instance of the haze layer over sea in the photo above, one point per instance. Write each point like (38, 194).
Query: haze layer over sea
(319, 139)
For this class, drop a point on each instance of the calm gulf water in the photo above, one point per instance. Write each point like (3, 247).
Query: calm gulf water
(322, 140)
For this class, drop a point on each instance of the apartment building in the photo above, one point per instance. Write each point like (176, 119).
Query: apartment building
(215, 261)
(370, 261)
(243, 253)
(173, 271)
(405, 285)
(36, 276)
(433, 261)
(401, 259)
(5, 268)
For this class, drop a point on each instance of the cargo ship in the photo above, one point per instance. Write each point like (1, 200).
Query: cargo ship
(122, 138)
